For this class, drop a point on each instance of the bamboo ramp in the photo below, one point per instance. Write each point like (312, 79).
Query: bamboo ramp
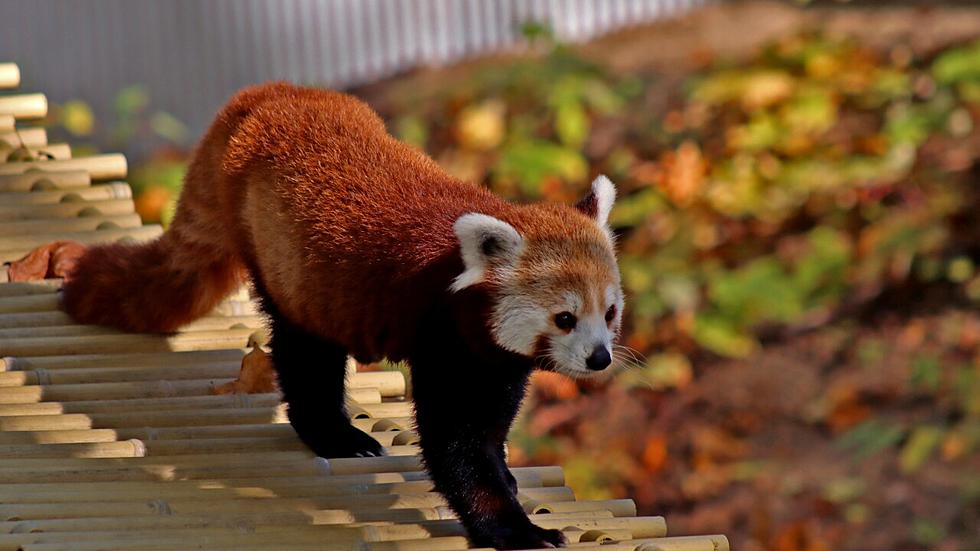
(117, 441)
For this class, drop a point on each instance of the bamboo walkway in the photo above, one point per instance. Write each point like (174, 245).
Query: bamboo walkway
(113, 441)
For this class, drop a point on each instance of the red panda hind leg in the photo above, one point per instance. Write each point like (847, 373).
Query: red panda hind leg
(311, 373)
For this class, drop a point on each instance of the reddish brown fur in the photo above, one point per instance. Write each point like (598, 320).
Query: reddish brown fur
(307, 189)
(348, 237)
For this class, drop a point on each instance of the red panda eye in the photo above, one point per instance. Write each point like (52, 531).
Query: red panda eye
(566, 321)
(610, 313)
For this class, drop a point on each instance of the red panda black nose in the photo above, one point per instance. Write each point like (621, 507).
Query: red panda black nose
(599, 359)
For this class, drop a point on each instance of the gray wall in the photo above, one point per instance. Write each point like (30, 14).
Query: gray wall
(192, 54)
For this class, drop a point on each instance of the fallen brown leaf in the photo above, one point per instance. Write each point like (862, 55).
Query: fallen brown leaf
(55, 259)
(257, 376)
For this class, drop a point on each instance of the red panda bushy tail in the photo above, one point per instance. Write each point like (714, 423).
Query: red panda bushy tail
(155, 286)
(166, 283)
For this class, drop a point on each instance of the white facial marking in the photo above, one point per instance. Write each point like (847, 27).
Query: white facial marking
(517, 322)
(484, 241)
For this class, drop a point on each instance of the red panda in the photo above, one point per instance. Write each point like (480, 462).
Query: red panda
(358, 244)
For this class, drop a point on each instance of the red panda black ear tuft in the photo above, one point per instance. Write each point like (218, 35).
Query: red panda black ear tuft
(597, 204)
(484, 241)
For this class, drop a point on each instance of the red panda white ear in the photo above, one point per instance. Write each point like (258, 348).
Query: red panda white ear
(597, 204)
(484, 241)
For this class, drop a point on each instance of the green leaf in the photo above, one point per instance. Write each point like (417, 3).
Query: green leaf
(927, 532)
(844, 490)
(722, 337)
(412, 129)
(132, 100)
(77, 117)
(572, 124)
(958, 64)
(167, 126)
(919, 447)
(926, 373)
(871, 437)
(633, 209)
(528, 162)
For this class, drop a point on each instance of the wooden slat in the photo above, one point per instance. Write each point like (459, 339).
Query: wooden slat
(9, 75)
(100, 167)
(37, 180)
(49, 152)
(24, 106)
(30, 137)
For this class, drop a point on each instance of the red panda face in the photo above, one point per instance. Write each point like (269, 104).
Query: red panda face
(556, 285)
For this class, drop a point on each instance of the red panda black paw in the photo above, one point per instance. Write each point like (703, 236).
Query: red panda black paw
(347, 442)
(529, 537)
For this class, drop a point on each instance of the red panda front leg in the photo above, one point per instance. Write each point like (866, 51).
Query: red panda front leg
(311, 375)
(461, 434)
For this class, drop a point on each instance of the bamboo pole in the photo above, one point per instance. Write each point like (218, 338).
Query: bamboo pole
(384, 409)
(115, 374)
(33, 394)
(618, 507)
(128, 360)
(27, 242)
(83, 223)
(148, 406)
(676, 543)
(212, 490)
(99, 167)
(317, 510)
(49, 152)
(41, 287)
(160, 473)
(40, 181)
(39, 417)
(204, 324)
(6, 122)
(9, 75)
(56, 331)
(54, 420)
(126, 342)
(107, 470)
(130, 448)
(389, 424)
(149, 434)
(28, 303)
(26, 321)
(244, 445)
(48, 302)
(24, 106)
(391, 490)
(66, 209)
(145, 233)
(390, 385)
(329, 535)
(278, 538)
(639, 527)
(31, 137)
(376, 530)
(172, 461)
(576, 535)
(111, 190)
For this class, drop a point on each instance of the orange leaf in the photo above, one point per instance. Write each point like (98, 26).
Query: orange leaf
(684, 172)
(55, 259)
(554, 386)
(257, 376)
(655, 453)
